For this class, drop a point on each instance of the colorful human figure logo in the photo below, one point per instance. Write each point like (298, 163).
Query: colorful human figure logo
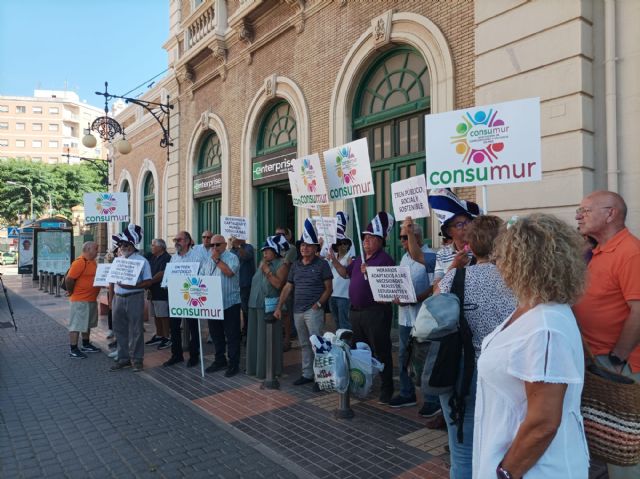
(308, 174)
(194, 292)
(345, 165)
(480, 136)
(106, 203)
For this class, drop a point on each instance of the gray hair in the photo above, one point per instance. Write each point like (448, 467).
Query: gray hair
(87, 244)
(160, 242)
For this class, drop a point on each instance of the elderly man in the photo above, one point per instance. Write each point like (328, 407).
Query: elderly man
(609, 311)
(185, 253)
(421, 277)
(311, 277)
(128, 304)
(204, 249)
(371, 321)
(83, 295)
(225, 333)
(159, 296)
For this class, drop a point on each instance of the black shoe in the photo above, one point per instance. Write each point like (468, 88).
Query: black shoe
(231, 371)
(216, 367)
(164, 344)
(385, 397)
(120, 365)
(401, 401)
(172, 360)
(113, 345)
(429, 410)
(77, 354)
(154, 340)
(316, 388)
(137, 366)
(193, 362)
(89, 348)
(302, 380)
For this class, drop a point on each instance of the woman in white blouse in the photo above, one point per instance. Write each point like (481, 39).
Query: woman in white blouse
(531, 368)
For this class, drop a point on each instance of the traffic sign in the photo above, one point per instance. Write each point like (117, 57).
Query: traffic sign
(14, 232)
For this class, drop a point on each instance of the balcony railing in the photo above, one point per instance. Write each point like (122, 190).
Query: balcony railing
(200, 26)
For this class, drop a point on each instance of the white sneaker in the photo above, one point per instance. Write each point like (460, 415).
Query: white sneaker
(110, 334)
(113, 354)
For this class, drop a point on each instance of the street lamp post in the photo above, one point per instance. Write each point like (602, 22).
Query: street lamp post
(28, 189)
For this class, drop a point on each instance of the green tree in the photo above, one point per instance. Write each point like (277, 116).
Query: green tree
(65, 183)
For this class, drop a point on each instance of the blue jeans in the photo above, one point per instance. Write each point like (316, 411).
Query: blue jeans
(340, 311)
(407, 388)
(461, 454)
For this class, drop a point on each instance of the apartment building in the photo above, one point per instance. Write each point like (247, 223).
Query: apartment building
(46, 126)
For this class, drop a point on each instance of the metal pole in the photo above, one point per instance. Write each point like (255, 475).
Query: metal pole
(52, 284)
(344, 410)
(40, 280)
(58, 281)
(270, 381)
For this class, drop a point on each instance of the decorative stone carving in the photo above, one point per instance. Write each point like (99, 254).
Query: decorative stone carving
(381, 29)
(246, 32)
(218, 50)
(186, 75)
(204, 120)
(270, 86)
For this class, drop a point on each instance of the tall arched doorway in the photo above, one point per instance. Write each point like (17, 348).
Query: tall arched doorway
(207, 184)
(148, 212)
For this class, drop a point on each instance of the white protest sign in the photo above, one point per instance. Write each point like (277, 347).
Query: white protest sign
(327, 228)
(349, 171)
(105, 207)
(198, 297)
(409, 198)
(235, 226)
(308, 189)
(102, 271)
(390, 282)
(179, 269)
(484, 145)
(125, 271)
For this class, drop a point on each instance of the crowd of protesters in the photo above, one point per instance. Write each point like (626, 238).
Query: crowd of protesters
(531, 296)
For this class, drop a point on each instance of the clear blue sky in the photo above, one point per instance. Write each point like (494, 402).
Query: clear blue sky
(45, 43)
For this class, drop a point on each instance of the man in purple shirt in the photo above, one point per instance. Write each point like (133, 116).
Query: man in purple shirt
(371, 321)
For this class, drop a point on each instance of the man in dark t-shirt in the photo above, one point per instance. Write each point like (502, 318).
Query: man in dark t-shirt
(313, 282)
(159, 296)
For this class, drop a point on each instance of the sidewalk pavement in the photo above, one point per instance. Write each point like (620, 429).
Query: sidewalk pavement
(288, 432)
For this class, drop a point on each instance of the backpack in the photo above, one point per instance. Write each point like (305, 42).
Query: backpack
(450, 359)
(64, 285)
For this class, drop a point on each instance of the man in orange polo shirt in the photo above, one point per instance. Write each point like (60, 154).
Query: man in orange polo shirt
(84, 309)
(609, 311)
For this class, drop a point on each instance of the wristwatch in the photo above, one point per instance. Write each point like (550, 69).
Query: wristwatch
(319, 305)
(615, 360)
(502, 473)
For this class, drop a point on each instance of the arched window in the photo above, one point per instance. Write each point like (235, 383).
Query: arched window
(390, 104)
(276, 144)
(207, 184)
(126, 189)
(149, 212)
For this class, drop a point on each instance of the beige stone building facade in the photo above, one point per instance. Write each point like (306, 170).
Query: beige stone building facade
(46, 126)
(255, 83)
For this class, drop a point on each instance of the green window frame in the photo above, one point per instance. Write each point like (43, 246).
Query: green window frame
(209, 210)
(149, 212)
(278, 129)
(389, 109)
(126, 189)
(210, 155)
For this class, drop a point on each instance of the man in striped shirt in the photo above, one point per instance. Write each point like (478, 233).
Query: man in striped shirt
(225, 333)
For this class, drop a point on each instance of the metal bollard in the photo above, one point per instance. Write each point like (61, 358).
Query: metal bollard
(45, 282)
(58, 282)
(270, 381)
(40, 280)
(344, 410)
(52, 283)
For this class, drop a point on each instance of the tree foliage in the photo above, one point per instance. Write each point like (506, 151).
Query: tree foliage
(65, 183)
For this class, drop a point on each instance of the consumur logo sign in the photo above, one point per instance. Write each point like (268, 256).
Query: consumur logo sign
(198, 297)
(106, 204)
(194, 292)
(485, 145)
(480, 136)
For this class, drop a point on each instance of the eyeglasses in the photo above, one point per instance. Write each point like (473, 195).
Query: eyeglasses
(206, 237)
(461, 224)
(404, 237)
(587, 211)
(217, 244)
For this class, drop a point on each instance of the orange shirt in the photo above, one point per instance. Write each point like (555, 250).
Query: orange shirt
(613, 279)
(84, 289)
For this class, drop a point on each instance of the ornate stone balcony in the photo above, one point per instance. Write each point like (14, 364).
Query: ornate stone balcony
(199, 26)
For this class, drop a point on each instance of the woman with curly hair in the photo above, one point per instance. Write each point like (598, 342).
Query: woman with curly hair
(531, 368)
